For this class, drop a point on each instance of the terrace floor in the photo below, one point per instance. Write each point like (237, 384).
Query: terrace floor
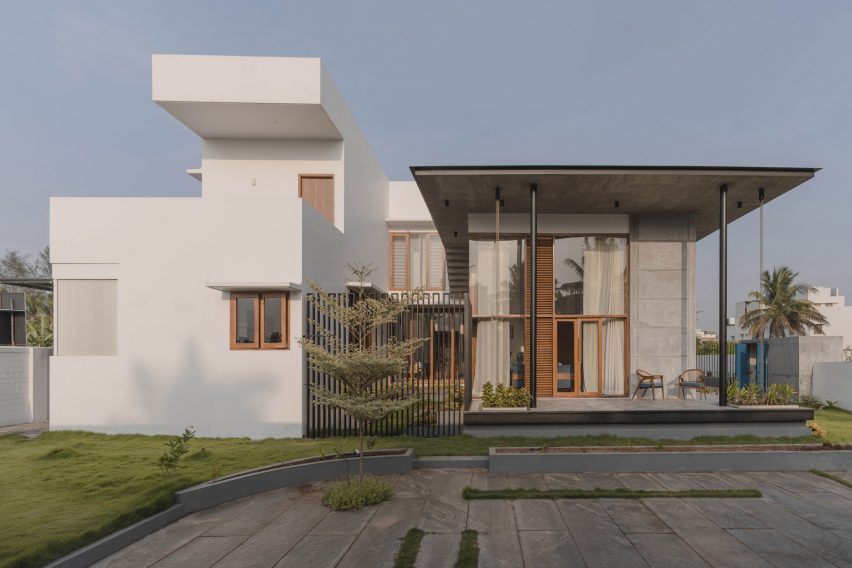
(801, 520)
(619, 404)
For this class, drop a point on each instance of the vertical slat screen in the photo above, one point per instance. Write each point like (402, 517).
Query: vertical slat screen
(545, 299)
(435, 369)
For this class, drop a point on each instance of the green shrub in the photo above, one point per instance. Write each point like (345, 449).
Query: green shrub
(504, 397)
(454, 397)
(776, 394)
(811, 402)
(357, 492)
(176, 449)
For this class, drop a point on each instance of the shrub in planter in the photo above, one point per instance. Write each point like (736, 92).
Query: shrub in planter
(504, 397)
(357, 492)
(750, 395)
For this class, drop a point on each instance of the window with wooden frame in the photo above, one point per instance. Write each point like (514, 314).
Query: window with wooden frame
(318, 191)
(416, 261)
(260, 320)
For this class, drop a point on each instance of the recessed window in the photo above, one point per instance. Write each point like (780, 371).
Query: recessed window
(86, 317)
(260, 320)
(318, 191)
(417, 261)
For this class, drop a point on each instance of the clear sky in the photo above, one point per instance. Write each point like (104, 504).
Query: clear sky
(751, 83)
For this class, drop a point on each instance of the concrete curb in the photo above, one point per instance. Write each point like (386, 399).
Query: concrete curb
(451, 462)
(675, 462)
(229, 488)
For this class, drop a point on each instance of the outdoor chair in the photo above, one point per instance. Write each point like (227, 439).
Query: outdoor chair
(691, 379)
(649, 381)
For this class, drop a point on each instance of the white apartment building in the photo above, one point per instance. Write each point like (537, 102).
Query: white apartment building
(828, 301)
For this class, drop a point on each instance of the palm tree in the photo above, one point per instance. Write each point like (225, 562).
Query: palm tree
(780, 310)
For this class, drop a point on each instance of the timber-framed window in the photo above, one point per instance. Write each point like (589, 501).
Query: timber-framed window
(260, 320)
(416, 261)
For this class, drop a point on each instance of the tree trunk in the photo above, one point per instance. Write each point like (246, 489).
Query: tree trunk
(360, 449)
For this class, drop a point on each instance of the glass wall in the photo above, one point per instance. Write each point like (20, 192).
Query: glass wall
(590, 275)
(497, 300)
(590, 279)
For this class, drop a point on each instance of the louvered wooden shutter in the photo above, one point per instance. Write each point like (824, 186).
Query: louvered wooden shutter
(545, 297)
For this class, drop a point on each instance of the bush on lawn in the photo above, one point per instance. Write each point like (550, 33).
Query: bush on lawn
(357, 492)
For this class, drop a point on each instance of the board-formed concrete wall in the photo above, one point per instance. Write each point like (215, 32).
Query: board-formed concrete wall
(791, 360)
(662, 296)
(23, 384)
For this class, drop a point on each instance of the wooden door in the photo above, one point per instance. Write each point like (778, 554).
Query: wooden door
(318, 191)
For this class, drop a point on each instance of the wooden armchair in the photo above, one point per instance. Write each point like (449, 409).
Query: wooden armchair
(691, 379)
(649, 381)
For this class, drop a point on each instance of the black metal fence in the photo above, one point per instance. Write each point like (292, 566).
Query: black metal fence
(434, 374)
(709, 363)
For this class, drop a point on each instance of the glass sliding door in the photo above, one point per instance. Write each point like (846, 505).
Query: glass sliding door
(578, 359)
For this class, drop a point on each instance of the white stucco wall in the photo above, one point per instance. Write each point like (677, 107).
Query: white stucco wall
(263, 121)
(406, 204)
(174, 367)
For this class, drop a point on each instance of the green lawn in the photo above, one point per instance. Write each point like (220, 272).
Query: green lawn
(837, 422)
(65, 489)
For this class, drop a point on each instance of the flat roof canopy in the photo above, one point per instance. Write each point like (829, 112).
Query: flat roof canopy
(452, 192)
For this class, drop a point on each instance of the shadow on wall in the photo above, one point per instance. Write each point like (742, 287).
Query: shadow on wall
(215, 405)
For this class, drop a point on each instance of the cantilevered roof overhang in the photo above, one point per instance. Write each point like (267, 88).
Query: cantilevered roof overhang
(453, 192)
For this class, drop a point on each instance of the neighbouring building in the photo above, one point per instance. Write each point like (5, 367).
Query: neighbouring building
(828, 301)
(187, 311)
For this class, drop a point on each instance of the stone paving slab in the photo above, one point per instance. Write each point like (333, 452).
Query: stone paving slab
(709, 540)
(202, 552)
(632, 516)
(802, 520)
(545, 549)
(666, 551)
(538, 515)
(778, 549)
(598, 537)
(438, 550)
(317, 551)
(500, 550)
(491, 516)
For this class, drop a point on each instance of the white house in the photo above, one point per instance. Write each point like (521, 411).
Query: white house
(187, 311)
(827, 300)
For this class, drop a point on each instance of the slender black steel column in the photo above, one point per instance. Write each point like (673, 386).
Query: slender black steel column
(723, 296)
(533, 356)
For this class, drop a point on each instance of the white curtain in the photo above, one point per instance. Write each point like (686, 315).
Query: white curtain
(491, 279)
(603, 293)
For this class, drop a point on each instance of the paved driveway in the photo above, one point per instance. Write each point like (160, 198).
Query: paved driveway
(802, 521)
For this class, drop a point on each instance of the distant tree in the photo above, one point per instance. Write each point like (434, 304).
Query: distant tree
(780, 311)
(39, 304)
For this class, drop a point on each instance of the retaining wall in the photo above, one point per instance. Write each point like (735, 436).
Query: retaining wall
(24, 384)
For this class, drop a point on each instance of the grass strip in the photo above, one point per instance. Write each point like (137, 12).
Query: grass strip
(468, 550)
(832, 477)
(409, 548)
(471, 493)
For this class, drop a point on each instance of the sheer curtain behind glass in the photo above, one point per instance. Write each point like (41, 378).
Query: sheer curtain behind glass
(604, 262)
(491, 281)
